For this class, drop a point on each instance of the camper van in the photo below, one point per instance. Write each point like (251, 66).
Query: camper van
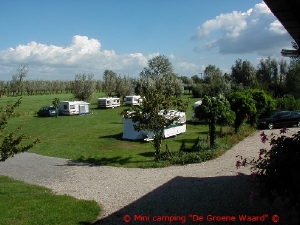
(133, 100)
(174, 129)
(194, 118)
(108, 102)
(73, 108)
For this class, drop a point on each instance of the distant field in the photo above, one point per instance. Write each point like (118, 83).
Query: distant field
(96, 137)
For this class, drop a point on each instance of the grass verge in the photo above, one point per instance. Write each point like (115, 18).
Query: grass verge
(26, 204)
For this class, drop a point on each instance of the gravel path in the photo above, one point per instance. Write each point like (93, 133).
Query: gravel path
(209, 188)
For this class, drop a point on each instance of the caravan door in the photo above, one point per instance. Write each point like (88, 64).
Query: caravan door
(84, 109)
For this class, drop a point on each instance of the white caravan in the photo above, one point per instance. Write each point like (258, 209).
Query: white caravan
(133, 100)
(194, 118)
(174, 129)
(73, 108)
(108, 102)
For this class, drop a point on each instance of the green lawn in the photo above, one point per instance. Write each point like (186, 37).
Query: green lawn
(94, 138)
(26, 204)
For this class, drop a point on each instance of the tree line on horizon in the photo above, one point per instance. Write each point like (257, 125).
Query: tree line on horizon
(278, 78)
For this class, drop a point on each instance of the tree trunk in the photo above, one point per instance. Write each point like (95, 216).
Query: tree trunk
(158, 138)
(212, 132)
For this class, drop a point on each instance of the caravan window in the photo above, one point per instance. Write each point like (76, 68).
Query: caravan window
(65, 107)
(72, 106)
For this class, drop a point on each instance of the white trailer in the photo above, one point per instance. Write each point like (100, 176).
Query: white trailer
(195, 119)
(108, 102)
(73, 108)
(174, 129)
(133, 100)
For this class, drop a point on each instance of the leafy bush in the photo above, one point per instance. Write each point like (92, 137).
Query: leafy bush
(276, 172)
(288, 103)
(193, 157)
(215, 111)
(264, 104)
(198, 90)
(243, 105)
(199, 152)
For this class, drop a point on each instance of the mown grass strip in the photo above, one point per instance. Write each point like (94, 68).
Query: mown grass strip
(26, 204)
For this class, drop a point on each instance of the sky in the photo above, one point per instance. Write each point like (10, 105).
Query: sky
(59, 39)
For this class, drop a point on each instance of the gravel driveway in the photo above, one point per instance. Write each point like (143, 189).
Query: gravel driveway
(191, 194)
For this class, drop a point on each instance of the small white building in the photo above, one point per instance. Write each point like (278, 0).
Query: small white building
(133, 100)
(174, 129)
(108, 102)
(73, 108)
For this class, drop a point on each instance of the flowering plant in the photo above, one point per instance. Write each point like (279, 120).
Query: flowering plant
(276, 172)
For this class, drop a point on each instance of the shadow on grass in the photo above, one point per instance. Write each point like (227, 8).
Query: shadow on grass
(119, 137)
(147, 154)
(116, 123)
(190, 122)
(114, 136)
(185, 200)
(189, 141)
(101, 161)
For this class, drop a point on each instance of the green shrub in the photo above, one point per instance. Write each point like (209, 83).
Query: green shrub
(288, 103)
(183, 158)
(243, 105)
(199, 152)
(198, 91)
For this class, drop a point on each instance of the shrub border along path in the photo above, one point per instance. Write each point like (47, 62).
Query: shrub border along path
(211, 187)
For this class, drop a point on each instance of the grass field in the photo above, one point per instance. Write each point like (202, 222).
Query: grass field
(94, 138)
(26, 204)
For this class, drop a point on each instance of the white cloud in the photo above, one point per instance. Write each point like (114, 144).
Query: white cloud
(186, 68)
(231, 24)
(277, 28)
(58, 62)
(171, 56)
(255, 31)
(82, 55)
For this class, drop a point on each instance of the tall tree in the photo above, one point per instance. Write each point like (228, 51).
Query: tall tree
(267, 71)
(2, 88)
(187, 83)
(243, 72)
(196, 79)
(217, 84)
(154, 99)
(293, 79)
(19, 77)
(124, 86)
(160, 74)
(279, 88)
(84, 86)
(159, 66)
(283, 70)
(109, 82)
